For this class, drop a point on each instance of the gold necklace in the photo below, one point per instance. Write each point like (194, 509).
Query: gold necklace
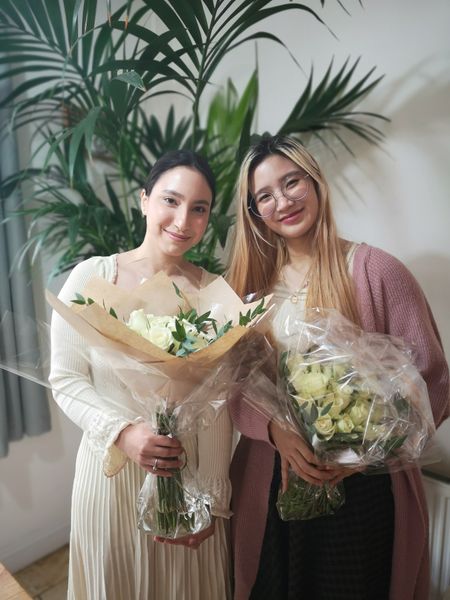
(296, 294)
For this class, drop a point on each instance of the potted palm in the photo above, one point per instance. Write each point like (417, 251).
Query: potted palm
(87, 79)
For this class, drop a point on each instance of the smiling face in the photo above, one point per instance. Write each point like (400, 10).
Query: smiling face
(177, 211)
(292, 219)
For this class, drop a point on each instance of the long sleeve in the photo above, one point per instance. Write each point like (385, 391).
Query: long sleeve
(249, 421)
(253, 402)
(391, 301)
(71, 378)
(214, 457)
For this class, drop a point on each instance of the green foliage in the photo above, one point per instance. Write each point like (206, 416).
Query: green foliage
(81, 300)
(303, 501)
(188, 342)
(87, 89)
(244, 320)
(171, 508)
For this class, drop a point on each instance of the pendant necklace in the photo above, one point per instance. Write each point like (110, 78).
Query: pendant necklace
(296, 294)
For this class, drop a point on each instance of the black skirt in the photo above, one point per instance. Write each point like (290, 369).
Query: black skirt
(345, 556)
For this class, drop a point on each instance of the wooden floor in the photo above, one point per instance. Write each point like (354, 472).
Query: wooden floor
(46, 579)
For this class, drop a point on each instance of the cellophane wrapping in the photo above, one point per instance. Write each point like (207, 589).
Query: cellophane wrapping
(356, 397)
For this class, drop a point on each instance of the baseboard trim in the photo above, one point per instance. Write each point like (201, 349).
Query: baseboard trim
(34, 549)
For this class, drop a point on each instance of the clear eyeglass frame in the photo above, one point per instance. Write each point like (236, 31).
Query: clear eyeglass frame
(268, 212)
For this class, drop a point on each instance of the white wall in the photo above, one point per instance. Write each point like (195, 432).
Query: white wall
(36, 478)
(35, 489)
(395, 197)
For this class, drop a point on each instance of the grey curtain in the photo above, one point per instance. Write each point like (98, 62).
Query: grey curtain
(24, 406)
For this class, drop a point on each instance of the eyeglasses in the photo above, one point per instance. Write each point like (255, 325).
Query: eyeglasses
(294, 188)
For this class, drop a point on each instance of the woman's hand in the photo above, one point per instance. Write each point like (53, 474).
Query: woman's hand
(341, 473)
(157, 454)
(297, 454)
(193, 540)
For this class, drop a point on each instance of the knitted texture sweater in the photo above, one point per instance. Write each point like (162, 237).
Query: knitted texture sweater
(389, 301)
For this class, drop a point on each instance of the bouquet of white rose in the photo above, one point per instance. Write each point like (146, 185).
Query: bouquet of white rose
(176, 335)
(356, 397)
(171, 364)
(164, 347)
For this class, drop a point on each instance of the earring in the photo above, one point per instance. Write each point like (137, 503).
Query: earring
(143, 197)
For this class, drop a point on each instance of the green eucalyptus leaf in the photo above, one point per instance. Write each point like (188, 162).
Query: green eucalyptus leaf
(180, 331)
(177, 290)
(326, 409)
(314, 413)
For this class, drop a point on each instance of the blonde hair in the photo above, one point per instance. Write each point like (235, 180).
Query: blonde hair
(259, 254)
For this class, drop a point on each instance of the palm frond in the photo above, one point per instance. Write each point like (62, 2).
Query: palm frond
(331, 106)
(85, 82)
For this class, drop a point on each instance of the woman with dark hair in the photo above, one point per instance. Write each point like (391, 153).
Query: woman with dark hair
(110, 559)
(375, 546)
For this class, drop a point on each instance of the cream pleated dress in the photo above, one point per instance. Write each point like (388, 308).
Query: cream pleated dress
(110, 558)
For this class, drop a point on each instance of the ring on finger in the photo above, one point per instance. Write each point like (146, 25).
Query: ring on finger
(155, 466)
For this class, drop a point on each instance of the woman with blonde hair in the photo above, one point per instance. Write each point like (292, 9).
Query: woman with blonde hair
(375, 546)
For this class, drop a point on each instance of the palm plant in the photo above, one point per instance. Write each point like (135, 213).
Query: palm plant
(87, 88)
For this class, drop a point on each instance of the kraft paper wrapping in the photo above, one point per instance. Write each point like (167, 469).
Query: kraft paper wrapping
(158, 296)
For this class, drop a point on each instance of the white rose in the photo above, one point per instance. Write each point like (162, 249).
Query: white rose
(360, 411)
(327, 370)
(345, 424)
(160, 336)
(138, 321)
(310, 384)
(374, 432)
(345, 390)
(339, 370)
(295, 362)
(340, 403)
(325, 427)
(164, 321)
(326, 399)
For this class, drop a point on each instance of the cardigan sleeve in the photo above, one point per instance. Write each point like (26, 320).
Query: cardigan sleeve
(250, 404)
(71, 381)
(249, 421)
(391, 301)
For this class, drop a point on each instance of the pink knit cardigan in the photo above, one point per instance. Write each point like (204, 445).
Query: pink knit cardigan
(389, 301)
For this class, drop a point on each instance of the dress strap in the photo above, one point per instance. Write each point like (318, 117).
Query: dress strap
(350, 256)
